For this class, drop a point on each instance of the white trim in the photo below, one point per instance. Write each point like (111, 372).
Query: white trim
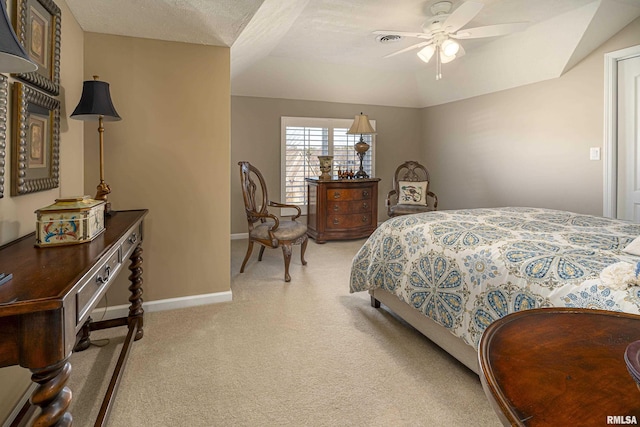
(239, 236)
(610, 152)
(162, 305)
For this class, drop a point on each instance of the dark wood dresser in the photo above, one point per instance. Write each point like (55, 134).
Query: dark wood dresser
(341, 209)
(45, 308)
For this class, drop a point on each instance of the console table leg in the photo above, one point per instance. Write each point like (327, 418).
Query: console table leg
(52, 395)
(136, 313)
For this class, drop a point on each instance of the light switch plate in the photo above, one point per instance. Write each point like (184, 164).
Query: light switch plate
(594, 153)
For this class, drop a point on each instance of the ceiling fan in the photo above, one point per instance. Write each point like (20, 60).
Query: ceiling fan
(441, 31)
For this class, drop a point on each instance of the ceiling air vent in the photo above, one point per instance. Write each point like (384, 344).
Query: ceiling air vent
(388, 38)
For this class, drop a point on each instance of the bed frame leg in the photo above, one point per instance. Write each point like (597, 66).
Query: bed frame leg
(374, 302)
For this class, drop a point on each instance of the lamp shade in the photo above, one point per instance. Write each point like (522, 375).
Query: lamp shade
(13, 58)
(361, 125)
(450, 47)
(95, 102)
(426, 53)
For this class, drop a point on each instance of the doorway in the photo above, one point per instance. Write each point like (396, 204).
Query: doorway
(621, 154)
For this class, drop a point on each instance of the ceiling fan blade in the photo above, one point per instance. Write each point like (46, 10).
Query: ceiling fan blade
(407, 49)
(461, 16)
(404, 34)
(490, 31)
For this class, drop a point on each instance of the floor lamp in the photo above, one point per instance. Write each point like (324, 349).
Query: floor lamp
(95, 104)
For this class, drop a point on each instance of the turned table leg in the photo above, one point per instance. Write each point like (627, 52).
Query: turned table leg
(52, 395)
(136, 313)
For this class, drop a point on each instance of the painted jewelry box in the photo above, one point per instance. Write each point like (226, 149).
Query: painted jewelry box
(69, 221)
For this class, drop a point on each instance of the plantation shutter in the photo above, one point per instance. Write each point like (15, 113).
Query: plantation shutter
(306, 138)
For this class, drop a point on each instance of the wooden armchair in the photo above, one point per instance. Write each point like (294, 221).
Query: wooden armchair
(410, 193)
(265, 228)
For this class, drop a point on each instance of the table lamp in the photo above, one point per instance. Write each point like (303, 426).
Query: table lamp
(361, 126)
(95, 104)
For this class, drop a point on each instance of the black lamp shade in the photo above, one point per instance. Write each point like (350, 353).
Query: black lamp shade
(95, 102)
(13, 58)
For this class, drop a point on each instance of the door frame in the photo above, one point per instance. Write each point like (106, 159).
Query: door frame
(610, 152)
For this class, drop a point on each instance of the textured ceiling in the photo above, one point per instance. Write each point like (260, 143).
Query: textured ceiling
(325, 50)
(210, 22)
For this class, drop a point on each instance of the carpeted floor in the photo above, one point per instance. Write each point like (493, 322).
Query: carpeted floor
(304, 353)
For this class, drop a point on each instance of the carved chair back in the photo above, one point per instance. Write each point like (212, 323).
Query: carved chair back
(410, 171)
(414, 172)
(256, 198)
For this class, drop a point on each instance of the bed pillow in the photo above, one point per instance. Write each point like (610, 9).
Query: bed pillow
(633, 248)
(412, 192)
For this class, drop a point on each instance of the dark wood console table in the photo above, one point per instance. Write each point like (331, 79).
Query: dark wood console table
(560, 367)
(47, 304)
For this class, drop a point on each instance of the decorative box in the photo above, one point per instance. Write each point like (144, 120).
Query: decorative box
(69, 221)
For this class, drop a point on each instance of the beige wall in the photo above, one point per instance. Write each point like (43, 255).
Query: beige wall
(255, 135)
(169, 154)
(17, 213)
(527, 146)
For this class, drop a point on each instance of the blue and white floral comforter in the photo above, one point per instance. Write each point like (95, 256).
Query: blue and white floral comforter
(467, 268)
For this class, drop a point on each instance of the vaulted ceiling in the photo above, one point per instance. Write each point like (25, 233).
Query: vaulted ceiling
(325, 50)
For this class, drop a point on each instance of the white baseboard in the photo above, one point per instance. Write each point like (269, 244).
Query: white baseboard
(117, 311)
(239, 236)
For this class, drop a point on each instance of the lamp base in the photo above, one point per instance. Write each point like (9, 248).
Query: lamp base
(101, 194)
(361, 173)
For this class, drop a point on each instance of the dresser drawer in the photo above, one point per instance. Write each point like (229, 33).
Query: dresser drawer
(356, 206)
(96, 286)
(346, 194)
(348, 221)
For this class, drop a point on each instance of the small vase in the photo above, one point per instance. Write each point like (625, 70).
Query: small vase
(325, 166)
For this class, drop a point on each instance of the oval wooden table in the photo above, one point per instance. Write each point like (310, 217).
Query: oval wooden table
(560, 367)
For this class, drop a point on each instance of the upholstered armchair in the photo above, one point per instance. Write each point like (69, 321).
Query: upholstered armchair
(410, 193)
(265, 228)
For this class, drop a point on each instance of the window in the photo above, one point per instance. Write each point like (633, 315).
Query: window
(304, 139)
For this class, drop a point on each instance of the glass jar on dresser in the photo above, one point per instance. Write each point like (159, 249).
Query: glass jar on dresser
(341, 209)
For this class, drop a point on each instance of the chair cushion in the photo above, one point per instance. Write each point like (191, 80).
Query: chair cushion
(412, 192)
(288, 230)
(408, 209)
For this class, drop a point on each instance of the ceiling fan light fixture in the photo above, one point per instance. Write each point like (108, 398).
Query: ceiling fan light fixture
(426, 53)
(450, 47)
(446, 58)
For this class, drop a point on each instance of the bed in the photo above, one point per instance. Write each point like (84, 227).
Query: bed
(451, 273)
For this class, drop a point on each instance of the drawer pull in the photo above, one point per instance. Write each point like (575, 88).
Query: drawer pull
(102, 280)
(365, 219)
(365, 193)
(336, 195)
(336, 208)
(336, 221)
(365, 205)
(133, 238)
